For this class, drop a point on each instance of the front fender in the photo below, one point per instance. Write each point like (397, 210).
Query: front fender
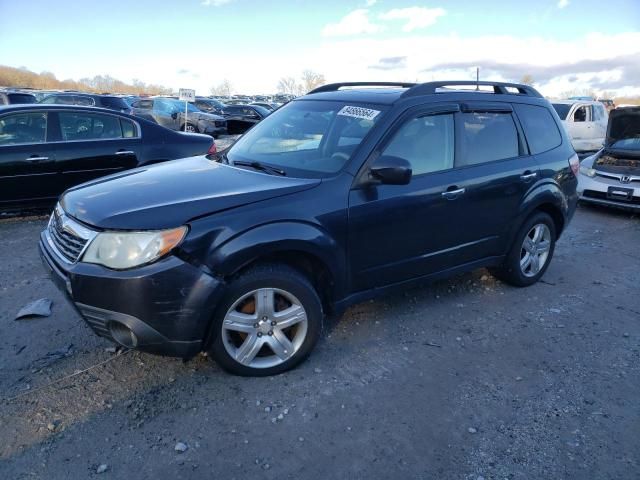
(280, 237)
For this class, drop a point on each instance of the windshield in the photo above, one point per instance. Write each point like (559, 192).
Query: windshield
(307, 137)
(562, 109)
(263, 111)
(178, 106)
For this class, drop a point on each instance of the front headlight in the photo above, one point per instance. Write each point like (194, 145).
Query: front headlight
(122, 250)
(589, 172)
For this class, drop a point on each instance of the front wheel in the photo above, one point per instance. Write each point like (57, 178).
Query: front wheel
(190, 128)
(269, 323)
(530, 253)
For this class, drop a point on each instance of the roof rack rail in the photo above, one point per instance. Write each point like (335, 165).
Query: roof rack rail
(332, 87)
(430, 88)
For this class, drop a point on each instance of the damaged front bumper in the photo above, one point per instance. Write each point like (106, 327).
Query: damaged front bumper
(164, 308)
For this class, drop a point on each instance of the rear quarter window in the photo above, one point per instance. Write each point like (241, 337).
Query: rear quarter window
(539, 127)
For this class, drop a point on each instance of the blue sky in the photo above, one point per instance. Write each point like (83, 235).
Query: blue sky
(253, 43)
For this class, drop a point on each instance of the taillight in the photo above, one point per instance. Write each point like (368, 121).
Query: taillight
(574, 163)
(212, 149)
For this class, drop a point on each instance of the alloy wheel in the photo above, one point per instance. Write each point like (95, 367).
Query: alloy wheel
(264, 328)
(535, 250)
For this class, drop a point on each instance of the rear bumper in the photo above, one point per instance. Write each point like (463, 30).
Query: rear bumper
(164, 308)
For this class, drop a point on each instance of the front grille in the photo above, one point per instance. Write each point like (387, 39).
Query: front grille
(603, 196)
(96, 319)
(67, 236)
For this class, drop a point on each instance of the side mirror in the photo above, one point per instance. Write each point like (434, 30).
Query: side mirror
(174, 115)
(391, 170)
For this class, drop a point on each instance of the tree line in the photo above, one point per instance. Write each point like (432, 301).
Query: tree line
(22, 77)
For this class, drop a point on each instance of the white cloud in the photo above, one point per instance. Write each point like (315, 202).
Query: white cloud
(215, 3)
(415, 17)
(354, 23)
(370, 3)
(563, 3)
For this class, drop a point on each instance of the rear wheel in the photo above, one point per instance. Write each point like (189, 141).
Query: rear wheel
(269, 323)
(530, 253)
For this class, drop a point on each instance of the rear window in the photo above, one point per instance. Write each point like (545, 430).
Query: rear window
(562, 109)
(21, 98)
(487, 137)
(116, 103)
(539, 127)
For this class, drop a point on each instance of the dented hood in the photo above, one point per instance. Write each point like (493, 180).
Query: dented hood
(171, 194)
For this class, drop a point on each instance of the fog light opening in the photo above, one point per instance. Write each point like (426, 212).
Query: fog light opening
(123, 334)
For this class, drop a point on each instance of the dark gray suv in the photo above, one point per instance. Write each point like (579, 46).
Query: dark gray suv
(170, 113)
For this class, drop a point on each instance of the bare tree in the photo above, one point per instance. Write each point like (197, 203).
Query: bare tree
(527, 79)
(288, 85)
(223, 89)
(311, 80)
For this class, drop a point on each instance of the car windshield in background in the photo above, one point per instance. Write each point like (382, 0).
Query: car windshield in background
(261, 110)
(562, 109)
(115, 103)
(178, 106)
(307, 137)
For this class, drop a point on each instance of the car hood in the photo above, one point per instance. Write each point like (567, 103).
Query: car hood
(624, 123)
(171, 194)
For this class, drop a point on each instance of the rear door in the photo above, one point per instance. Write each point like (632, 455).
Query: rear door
(93, 145)
(27, 162)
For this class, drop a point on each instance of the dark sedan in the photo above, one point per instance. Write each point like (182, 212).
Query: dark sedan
(112, 102)
(241, 118)
(45, 149)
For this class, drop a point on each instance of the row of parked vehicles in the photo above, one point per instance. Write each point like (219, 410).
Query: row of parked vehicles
(340, 195)
(205, 115)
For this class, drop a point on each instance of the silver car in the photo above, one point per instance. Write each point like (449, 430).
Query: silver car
(612, 176)
(170, 113)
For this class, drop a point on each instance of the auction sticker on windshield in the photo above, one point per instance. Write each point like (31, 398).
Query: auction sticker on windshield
(358, 112)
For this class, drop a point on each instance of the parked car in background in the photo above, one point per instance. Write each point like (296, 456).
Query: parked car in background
(45, 149)
(112, 102)
(10, 97)
(340, 196)
(272, 107)
(585, 121)
(170, 113)
(608, 104)
(612, 176)
(241, 118)
(209, 105)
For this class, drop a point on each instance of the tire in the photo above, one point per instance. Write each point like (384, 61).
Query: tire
(517, 270)
(190, 128)
(246, 325)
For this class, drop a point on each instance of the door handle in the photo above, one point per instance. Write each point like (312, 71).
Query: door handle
(125, 152)
(525, 177)
(453, 194)
(37, 159)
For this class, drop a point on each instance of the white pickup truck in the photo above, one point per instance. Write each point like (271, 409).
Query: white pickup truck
(585, 121)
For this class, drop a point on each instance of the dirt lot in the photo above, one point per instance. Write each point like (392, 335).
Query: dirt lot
(466, 379)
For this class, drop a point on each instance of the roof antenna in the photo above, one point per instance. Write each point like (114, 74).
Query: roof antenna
(477, 79)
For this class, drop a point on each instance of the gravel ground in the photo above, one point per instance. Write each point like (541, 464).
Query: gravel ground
(466, 379)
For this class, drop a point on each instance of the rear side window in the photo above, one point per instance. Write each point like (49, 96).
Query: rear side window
(84, 101)
(115, 103)
(486, 137)
(128, 128)
(89, 126)
(426, 142)
(539, 127)
(21, 98)
(23, 128)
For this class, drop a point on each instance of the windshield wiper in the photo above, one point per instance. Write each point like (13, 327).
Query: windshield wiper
(261, 167)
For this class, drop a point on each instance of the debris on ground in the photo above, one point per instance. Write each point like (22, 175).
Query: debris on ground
(37, 308)
(181, 447)
(102, 468)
